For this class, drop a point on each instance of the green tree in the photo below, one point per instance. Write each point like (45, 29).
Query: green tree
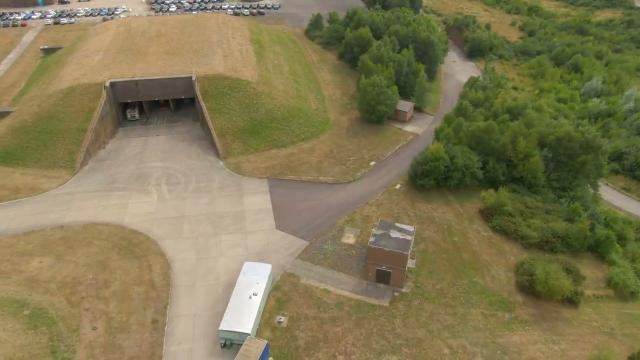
(464, 168)
(315, 27)
(355, 44)
(624, 282)
(416, 5)
(549, 280)
(422, 92)
(377, 98)
(407, 71)
(429, 169)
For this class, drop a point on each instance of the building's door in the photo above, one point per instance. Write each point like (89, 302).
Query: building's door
(383, 276)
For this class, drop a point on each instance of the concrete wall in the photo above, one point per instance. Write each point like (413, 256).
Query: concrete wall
(103, 127)
(106, 119)
(152, 88)
(205, 120)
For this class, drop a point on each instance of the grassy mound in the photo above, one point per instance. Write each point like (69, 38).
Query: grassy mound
(283, 107)
(92, 291)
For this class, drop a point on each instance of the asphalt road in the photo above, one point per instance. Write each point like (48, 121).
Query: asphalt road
(620, 200)
(305, 209)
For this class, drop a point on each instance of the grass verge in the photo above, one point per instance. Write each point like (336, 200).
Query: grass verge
(9, 39)
(624, 183)
(344, 151)
(284, 106)
(462, 301)
(86, 292)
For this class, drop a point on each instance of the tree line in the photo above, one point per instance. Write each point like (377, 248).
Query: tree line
(542, 144)
(394, 47)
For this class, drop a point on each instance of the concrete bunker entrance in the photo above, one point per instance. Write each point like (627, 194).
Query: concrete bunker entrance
(159, 101)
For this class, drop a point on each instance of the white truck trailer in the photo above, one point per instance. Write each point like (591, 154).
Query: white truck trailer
(242, 316)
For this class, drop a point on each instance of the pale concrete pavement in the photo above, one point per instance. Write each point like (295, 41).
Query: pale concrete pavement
(166, 182)
(620, 200)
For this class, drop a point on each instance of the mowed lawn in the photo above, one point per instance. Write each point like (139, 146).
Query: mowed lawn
(299, 120)
(83, 292)
(462, 302)
(283, 107)
(9, 39)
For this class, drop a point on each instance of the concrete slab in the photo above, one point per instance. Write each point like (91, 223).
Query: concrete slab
(167, 183)
(419, 124)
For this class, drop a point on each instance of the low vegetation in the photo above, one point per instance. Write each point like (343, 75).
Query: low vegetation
(547, 155)
(390, 49)
(550, 279)
(91, 291)
(283, 107)
(461, 299)
(10, 38)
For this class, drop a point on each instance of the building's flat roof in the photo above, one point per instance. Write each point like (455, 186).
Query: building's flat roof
(251, 349)
(393, 236)
(405, 106)
(243, 307)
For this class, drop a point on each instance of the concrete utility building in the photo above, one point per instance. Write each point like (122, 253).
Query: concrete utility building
(404, 111)
(388, 253)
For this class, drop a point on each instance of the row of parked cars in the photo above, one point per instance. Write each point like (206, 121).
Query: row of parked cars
(173, 6)
(62, 14)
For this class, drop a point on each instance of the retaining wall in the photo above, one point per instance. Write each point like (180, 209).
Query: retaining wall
(106, 119)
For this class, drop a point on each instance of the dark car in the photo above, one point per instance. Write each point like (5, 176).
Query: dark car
(261, 12)
(253, 12)
(56, 21)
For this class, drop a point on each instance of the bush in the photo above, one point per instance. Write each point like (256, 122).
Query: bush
(422, 92)
(377, 99)
(550, 279)
(315, 27)
(453, 166)
(634, 356)
(624, 282)
(355, 44)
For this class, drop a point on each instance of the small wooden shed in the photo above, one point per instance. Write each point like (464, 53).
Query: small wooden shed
(404, 111)
(388, 253)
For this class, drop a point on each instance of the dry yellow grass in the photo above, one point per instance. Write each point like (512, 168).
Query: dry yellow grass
(9, 39)
(345, 150)
(89, 292)
(149, 46)
(17, 183)
(18, 73)
(500, 21)
(565, 9)
(462, 301)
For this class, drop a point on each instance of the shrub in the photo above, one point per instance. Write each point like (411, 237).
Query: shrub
(377, 99)
(355, 44)
(453, 166)
(422, 91)
(315, 27)
(624, 282)
(550, 279)
(634, 356)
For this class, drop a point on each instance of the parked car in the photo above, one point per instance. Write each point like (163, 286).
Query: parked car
(48, 22)
(261, 12)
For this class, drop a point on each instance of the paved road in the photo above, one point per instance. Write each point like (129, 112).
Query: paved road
(19, 49)
(165, 182)
(620, 200)
(297, 13)
(305, 209)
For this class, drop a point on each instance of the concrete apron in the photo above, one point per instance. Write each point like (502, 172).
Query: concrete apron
(165, 182)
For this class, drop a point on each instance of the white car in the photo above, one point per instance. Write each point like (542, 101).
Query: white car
(63, 21)
(225, 6)
(229, 12)
(71, 21)
(48, 22)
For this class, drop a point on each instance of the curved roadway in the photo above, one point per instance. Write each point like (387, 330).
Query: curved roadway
(305, 209)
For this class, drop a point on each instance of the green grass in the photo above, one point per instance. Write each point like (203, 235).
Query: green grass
(461, 301)
(283, 107)
(434, 94)
(40, 320)
(48, 133)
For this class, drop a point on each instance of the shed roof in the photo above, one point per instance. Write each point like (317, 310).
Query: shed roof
(393, 236)
(244, 305)
(405, 106)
